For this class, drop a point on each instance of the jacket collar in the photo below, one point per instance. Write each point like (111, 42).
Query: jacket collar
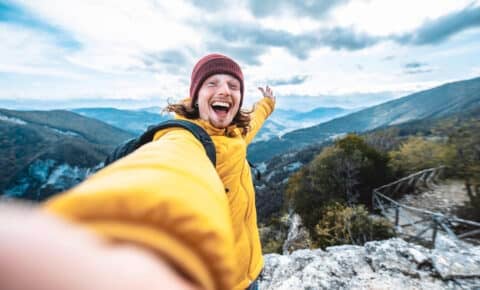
(230, 131)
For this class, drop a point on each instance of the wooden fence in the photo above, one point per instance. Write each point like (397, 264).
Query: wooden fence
(415, 222)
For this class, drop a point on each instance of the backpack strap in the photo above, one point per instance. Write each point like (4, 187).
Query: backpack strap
(135, 143)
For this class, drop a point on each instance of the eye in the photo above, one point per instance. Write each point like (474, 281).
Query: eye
(211, 84)
(234, 86)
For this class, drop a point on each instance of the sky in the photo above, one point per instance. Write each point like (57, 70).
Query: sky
(132, 54)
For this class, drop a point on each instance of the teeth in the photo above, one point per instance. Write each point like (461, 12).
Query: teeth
(221, 104)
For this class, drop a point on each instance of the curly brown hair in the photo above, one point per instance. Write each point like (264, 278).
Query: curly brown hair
(241, 119)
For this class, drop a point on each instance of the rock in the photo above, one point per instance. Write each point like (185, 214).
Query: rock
(453, 258)
(297, 237)
(396, 255)
(389, 264)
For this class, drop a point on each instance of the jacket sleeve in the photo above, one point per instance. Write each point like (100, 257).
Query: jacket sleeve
(165, 197)
(262, 110)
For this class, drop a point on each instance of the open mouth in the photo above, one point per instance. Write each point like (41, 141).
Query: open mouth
(221, 107)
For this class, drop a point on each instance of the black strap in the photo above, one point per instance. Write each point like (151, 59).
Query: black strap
(196, 131)
(133, 144)
(256, 171)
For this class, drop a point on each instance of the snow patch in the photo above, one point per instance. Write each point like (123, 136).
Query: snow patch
(67, 133)
(46, 177)
(293, 166)
(262, 167)
(334, 137)
(12, 120)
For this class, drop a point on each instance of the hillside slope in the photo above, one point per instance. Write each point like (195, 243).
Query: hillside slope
(132, 121)
(437, 102)
(43, 152)
(276, 171)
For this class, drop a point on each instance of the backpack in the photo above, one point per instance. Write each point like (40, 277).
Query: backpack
(133, 144)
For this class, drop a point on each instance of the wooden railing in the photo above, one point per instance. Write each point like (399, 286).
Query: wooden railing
(416, 222)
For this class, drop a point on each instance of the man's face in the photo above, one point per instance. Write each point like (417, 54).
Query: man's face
(219, 99)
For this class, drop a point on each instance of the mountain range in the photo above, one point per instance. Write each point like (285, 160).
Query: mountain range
(44, 152)
(134, 121)
(276, 171)
(279, 123)
(439, 101)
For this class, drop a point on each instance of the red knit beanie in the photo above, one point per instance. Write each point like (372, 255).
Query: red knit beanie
(214, 64)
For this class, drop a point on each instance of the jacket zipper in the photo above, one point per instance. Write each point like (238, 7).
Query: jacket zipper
(248, 230)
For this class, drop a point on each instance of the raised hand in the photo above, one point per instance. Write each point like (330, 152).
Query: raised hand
(267, 92)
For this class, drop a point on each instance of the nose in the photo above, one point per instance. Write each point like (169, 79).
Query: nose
(224, 89)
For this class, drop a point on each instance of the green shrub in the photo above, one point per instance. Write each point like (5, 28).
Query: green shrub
(345, 172)
(418, 153)
(341, 224)
(273, 234)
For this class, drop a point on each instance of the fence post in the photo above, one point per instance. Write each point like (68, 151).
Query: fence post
(397, 215)
(435, 229)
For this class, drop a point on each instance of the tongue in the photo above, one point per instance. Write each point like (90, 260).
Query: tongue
(220, 111)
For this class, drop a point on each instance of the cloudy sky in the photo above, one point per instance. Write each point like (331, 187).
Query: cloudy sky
(134, 53)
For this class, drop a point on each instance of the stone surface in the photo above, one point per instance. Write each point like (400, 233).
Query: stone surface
(297, 237)
(453, 258)
(390, 264)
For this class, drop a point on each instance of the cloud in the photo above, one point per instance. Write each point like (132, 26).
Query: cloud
(173, 61)
(294, 80)
(214, 5)
(16, 15)
(313, 9)
(442, 28)
(414, 65)
(257, 40)
(248, 54)
(346, 38)
(353, 100)
(417, 68)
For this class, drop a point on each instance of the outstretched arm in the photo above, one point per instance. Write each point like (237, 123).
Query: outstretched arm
(156, 204)
(40, 251)
(261, 111)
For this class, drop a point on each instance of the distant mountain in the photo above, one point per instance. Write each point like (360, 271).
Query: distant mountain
(270, 129)
(133, 121)
(283, 121)
(153, 110)
(436, 102)
(320, 114)
(282, 114)
(45, 152)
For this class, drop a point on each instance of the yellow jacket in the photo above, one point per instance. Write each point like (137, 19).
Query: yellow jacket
(168, 197)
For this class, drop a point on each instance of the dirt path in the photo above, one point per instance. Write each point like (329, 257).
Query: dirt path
(444, 197)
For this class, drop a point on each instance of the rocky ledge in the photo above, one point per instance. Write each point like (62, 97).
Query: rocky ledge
(389, 264)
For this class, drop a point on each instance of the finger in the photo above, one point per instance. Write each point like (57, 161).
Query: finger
(262, 90)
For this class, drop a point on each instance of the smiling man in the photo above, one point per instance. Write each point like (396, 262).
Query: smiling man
(215, 104)
(163, 216)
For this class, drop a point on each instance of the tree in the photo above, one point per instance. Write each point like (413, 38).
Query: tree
(466, 141)
(350, 225)
(418, 153)
(345, 172)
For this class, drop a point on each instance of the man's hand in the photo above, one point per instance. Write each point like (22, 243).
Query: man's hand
(267, 92)
(38, 251)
